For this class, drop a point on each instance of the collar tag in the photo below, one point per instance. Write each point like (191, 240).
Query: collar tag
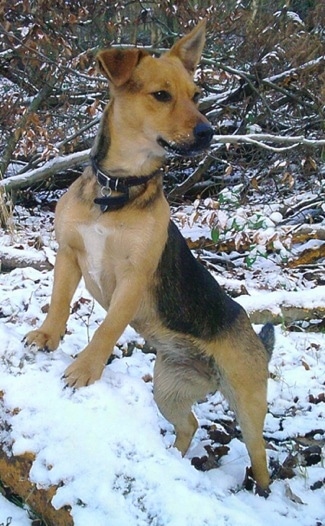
(105, 191)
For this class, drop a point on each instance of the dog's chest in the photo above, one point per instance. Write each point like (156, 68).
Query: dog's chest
(96, 258)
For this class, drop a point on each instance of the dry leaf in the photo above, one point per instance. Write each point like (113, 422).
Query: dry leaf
(292, 496)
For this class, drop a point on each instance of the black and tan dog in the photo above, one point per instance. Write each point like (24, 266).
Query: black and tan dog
(113, 227)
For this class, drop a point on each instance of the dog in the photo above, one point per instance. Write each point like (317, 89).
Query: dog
(114, 229)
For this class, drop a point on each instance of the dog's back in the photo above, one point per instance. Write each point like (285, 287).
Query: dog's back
(189, 299)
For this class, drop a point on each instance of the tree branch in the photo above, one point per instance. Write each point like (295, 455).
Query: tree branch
(58, 164)
(255, 138)
(64, 162)
(260, 138)
(16, 135)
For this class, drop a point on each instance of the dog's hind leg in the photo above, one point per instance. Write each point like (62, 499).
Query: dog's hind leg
(177, 386)
(244, 376)
(249, 404)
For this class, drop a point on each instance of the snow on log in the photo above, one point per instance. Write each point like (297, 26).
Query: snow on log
(11, 258)
(15, 478)
(52, 167)
(285, 306)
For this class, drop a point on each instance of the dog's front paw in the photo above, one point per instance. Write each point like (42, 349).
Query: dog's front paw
(41, 340)
(83, 371)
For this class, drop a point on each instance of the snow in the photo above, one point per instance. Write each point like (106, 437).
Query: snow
(309, 298)
(109, 449)
(11, 515)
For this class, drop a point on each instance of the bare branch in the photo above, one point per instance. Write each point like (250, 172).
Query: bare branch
(64, 162)
(260, 138)
(50, 168)
(17, 133)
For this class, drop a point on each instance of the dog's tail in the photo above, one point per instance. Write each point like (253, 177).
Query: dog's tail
(268, 338)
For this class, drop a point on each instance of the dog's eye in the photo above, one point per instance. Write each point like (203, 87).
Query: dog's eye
(196, 97)
(162, 96)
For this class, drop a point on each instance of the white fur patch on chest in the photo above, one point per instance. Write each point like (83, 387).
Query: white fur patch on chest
(94, 237)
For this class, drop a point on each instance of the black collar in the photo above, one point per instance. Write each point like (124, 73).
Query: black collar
(121, 185)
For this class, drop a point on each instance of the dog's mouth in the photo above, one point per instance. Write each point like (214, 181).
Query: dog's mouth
(172, 148)
(183, 150)
(203, 134)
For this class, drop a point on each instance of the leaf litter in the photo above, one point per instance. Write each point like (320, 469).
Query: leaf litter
(106, 446)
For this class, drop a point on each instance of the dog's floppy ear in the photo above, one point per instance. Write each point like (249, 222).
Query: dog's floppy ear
(118, 65)
(189, 48)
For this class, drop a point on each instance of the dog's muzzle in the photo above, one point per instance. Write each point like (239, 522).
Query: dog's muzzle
(203, 134)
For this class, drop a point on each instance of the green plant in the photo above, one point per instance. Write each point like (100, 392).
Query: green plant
(215, 234)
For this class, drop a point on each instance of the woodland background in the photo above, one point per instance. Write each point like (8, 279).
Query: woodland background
(262, 72)
(263, 89)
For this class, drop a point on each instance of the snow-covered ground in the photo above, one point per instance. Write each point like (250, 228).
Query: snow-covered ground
(109, 449)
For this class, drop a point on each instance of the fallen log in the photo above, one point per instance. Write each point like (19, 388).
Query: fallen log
(287, 315)
(14, 477)
(11, 258)
(307, 256)
(285, 306)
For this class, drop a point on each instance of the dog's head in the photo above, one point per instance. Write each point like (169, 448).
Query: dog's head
(155, 100)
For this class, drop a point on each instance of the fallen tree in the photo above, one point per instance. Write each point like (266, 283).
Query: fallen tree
(285, 306)
(50, 168)
(14, 477)
(15, 481)
(11, 258)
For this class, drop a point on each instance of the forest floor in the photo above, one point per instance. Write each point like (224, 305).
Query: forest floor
(106, 446)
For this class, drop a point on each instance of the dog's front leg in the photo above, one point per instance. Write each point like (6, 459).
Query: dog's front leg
(67, 275)
(89, 364)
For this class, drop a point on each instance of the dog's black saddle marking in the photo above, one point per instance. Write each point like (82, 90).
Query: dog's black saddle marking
(190, 300)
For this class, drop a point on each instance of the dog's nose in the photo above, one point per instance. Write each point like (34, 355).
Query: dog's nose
(203, 134)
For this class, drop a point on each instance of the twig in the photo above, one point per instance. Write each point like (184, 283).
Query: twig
(271, 148)
(45, 58)
(61, 163)
(38, 159)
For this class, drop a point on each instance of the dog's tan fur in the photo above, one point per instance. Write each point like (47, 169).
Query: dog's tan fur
(119, 253)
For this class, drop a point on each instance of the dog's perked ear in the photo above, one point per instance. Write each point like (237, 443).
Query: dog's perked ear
(117, 65)
(189, 48)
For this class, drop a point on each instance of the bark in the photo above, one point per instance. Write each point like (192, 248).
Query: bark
(195, 177)
(52, 167)
(308, 256)
(14, 477)
(11, 258)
